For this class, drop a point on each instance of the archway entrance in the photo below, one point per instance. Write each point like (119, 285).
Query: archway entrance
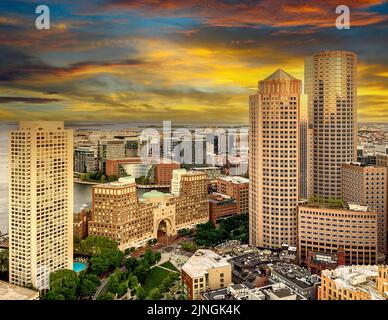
(162, 229)
(164, 232)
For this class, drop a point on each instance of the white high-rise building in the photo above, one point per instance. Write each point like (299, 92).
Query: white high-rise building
(40, 202)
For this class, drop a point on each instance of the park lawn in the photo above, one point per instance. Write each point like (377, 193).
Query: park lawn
(169, 265)
(154, 279)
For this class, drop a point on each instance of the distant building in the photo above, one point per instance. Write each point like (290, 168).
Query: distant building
(382, 160)
(85, 160)
(237, 188)
(368, 160)
(367, 186)
(221, 206)
(110, 150)
(114, 167)
(205, 270)
(297, 278)
(12, 292)
(131, 147)
(381, 148)
(325, 229)
(212, 172)
(163, 172)
(276, 291)
(364, 282)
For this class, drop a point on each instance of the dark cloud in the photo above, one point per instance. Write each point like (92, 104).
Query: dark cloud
(27, 100)
(20, 66)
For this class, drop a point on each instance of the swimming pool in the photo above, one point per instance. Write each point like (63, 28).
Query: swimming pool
(79, 266)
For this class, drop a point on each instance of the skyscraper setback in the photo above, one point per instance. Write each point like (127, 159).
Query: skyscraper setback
(40, 202)
(330, 80)
(274, 161)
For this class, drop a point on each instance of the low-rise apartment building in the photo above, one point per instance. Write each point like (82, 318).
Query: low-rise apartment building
(205, 270)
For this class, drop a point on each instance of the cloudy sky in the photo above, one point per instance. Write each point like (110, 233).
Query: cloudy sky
(185, 60)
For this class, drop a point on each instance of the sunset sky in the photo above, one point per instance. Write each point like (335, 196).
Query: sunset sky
(180, 60)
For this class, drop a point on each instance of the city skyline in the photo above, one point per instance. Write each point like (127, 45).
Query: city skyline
(193, 150)
(175, 60)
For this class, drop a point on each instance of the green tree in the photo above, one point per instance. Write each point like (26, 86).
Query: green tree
(64, 282)
(4, 261)
(133, 282)
(131, 264)
(157, 256)
(140, 294)
(113, 284)
(96, 244)
(122, 289)
(141, 273)
(106, 260)
(189, 246)
(106, 296)
(87, 287)
(155, 294)
(149, 257)
(51, 295)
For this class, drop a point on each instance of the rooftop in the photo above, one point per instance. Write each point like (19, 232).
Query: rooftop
(299, 276)
(122, 182)
(220, 198)
(356, 278)
(202, 261)
(280, 74)
(277, 291)
(11, 292)
(235, 179)
(154, 194)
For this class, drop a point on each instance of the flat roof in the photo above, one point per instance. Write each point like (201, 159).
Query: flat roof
(356, 278)
(11, 292)
(234, 179)
(202, 261)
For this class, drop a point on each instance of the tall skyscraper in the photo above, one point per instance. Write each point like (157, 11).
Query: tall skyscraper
(40, 202)
(274, 161)
(331, 83)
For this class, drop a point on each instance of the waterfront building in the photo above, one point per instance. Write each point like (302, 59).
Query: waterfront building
(40, 202)
(85, 160)
(118, 213)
